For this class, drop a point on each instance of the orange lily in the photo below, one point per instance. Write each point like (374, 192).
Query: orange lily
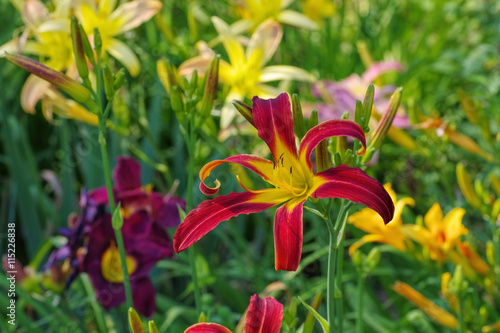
(293, 179)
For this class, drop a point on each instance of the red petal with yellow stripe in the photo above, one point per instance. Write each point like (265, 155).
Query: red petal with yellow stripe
(211, 212)
(355, 185)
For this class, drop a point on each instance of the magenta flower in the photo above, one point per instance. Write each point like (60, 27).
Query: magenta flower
(293, 180)
(340, 97)
(263, 315)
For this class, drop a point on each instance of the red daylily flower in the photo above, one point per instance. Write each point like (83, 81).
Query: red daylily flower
(263, 315)
(292, 175)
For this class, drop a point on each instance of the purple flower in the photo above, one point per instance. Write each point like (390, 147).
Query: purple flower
(76, 233)
(340, 97)
(145, 244)
(133, 196)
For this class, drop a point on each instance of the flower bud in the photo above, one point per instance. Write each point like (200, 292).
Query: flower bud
(468, 105)
(366, 112)
(211, 84)
(109, 87)
(202, 318)
(383, 125)
(77, 41)
(120, 79)
(458, 285)
(152, 327)
(495, 183)
(97, 42)
(87, 48)
(358, 259)
(490, 253)
(176, 100)
(60, 80)
(372, 259)
(245, 111)
(117, 219)
(135, 321)
(298, 117)
(465, 185)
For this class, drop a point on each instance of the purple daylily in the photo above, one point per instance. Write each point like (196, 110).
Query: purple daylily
(145, 244)
(340, 97)
(91, 245)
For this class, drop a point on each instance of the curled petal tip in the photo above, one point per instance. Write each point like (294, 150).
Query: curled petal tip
(210, 190)
(361, 151)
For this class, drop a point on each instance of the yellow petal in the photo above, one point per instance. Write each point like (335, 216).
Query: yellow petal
(121, 52)
(266, 38)
(297, 19)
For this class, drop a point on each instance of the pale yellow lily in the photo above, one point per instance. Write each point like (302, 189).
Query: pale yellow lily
(246, 73)
(318, 10)
(369, 221)
(111, 22)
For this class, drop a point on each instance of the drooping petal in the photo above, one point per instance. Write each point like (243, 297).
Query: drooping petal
(284, 72)
(372, 239)
(274, 122)
(325, 130)
(127, 174)
(297, 19)
(207, 328)
(134, 13)
(355, 185)
(211, 212)
(200, 64)
(33, 90)
(143, 294)
(288, 235)
(266, 38)
(121, 52)
(264, 315)
(261, 166)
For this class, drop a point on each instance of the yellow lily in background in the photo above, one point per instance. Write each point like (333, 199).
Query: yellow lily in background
(111, 22)
(246, 73)
(438, 314)
(254, 12)
(317, 10)
(439, 235)
(368, 220)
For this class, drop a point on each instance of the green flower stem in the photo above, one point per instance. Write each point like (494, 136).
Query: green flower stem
(335, 263)
(359, 308)
(461, 324)
(190, 143)
(103, 116)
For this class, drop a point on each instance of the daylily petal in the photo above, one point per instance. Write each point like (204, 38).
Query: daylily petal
(273, 119)
(288, 235)
(380, 68)
(372, 239)
(143, 294)
(264, 315)
(207, 328)
(453, 226)
(33, 90)
(121, 52)
(297, 19)
(127, 174)
(211, 212)
(233, 48)
(105, 7)
(266, 38)
(434, 217)
(284, 72)
(134, 13)
(261, 166)
(355, 185)
(200, 64)
(34, 13)
(325, 130)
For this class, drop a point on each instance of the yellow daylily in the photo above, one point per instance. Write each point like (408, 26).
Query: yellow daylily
(111, 22)
(246, 73)
(254, 12)
(439, 235)
(438, 314)
(368, 220)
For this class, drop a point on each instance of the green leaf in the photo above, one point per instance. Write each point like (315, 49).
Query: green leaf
(322, 321)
